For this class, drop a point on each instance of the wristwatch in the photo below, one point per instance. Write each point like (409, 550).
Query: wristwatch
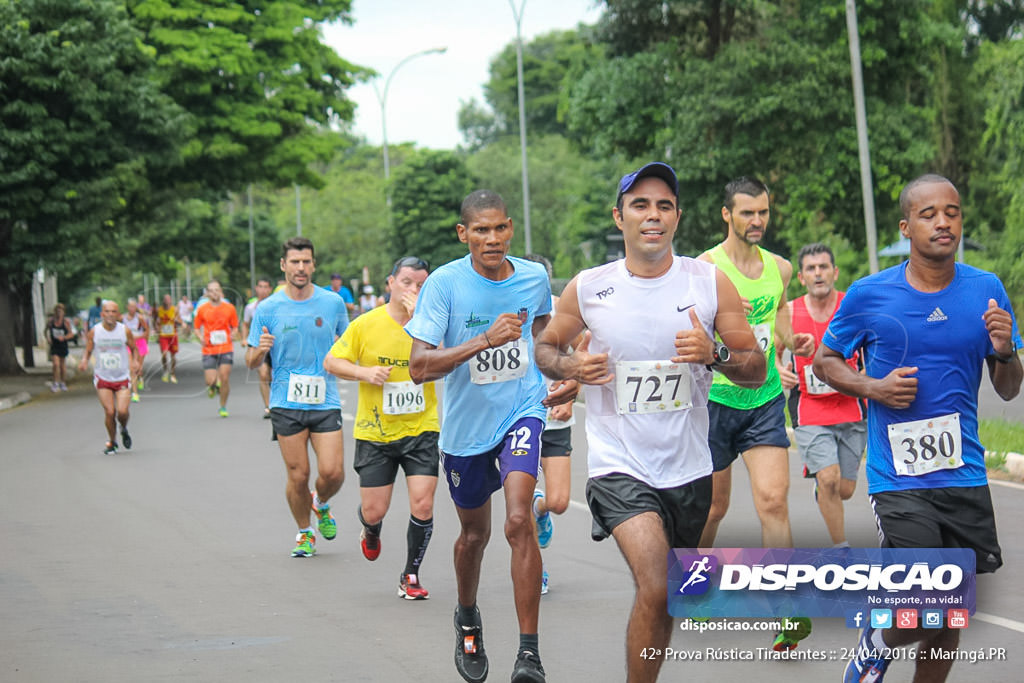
(721, 355)
(1011, 356)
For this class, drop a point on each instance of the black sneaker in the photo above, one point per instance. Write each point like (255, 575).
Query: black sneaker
(126, 438)
(470, 658)
(527, 668)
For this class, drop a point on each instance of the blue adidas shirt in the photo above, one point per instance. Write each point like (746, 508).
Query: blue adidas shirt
(304, 332)
(457, 304)
(944, 336)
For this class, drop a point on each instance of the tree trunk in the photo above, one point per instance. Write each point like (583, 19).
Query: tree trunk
(28, 323)
(8, 305)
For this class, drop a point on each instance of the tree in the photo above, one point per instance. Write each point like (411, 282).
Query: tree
(426, 198)
(84, 127)
(257, 82)
(773, 100)
(549, 63)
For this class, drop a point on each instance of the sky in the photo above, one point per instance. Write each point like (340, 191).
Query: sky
(425, 93)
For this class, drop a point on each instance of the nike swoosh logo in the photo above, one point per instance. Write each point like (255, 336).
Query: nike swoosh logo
(685, 308)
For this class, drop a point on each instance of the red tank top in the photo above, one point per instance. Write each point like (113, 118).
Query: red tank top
(820, 404)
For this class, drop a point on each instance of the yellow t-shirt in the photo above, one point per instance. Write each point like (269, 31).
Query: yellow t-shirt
(399, 408)
(165, 321)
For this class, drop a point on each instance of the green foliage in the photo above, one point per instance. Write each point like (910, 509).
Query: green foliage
(427, 193)
(85, 128)
(234, 250)
(998, 196)
(776, 104)
(257, 82)
(570, 211)
(549, 63)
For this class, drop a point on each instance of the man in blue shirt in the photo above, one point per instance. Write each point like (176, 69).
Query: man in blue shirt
(474, 326)
(339, 288)
(297, 326)
(928, 327)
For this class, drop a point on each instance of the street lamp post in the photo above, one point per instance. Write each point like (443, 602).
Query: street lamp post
(518, 14)
(382, 98)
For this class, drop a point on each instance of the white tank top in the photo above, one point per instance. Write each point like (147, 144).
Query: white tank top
(636, 319)
(112, 355)
(133, 324)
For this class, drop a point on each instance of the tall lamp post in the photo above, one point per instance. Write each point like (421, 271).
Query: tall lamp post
(382, 98)
(518, 14)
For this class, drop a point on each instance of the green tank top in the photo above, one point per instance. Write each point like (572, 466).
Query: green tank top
(764, 295)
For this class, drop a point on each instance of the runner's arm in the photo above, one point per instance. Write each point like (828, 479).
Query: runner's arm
(1005, 374)
(747, 365)
(428, 362)
(132, 348)
(84, 363)
(801, 344)
(346, 369)
(896, 390)
(551, 349)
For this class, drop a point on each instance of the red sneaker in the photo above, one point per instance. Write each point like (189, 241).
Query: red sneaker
(370, 543)
(409, 588)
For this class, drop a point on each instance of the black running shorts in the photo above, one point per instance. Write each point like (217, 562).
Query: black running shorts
(615, 498)
(288, 422)
(953, 517)
(556, 443)
(377, 463)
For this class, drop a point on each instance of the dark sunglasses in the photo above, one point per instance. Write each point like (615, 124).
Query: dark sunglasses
(414, 262)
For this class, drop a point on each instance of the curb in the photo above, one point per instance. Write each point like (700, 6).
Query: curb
(1014, 462)
(8, 402)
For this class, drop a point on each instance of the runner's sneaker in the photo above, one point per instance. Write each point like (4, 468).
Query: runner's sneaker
(166, 377)
(63, 387)
(266, 413)
(142, 384)
(324, 519)
(470, 658)
(527, 668)
(211, 391)
(54, 386)
(370, 543)
(305, 544)
(544, 583)
(868, 665)
(787, 639)
(545, 527)
(135, 397)
(110, 448)
(126, 438)
(815, 491)
(409, 588)
(174, 379)
(223, 412)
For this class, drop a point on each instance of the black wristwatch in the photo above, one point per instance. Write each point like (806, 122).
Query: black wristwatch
(1009, 358)
(721, 356)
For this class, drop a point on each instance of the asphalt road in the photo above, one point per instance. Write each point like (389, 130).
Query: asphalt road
(172, 562)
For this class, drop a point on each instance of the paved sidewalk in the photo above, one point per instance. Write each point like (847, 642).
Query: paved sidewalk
(20, 389)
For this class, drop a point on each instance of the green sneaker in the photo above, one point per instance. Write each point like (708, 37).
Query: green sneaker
(797, 629)
(223, 412)
(324, 519)
(305, 545)
(211, 391)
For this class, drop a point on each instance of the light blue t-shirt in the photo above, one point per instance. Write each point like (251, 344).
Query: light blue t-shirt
(457, 304)
(944, 336)
(304, 332)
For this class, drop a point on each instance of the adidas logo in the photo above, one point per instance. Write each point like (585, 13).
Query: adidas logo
(937, 316)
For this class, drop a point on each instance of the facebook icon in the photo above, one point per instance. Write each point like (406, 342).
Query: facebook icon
(855, 619)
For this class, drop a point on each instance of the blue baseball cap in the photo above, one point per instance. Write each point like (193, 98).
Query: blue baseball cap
(656, 169)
